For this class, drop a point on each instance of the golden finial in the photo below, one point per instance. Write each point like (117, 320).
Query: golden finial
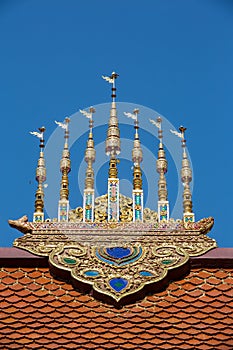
(161, 168)
(65, 164)
(65, 168)
(137, 173)
(136, 151)
(112, 80)
(113, 134)
(182, 130)
(38, 215)
(88, 198)
(186, 178)
(89, 115)
(112, 149)
(90, 150)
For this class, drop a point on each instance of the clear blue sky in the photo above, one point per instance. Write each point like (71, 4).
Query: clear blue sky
(172, 56)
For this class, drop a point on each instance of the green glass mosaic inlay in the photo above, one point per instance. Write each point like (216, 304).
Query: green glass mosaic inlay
(167, 262)
(69, 261)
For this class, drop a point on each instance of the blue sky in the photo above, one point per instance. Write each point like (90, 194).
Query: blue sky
(174, 57)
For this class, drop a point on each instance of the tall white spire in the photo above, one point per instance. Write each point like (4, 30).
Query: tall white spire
(112, 148)
(186, 178)
(89, 192)
(137, 158)
(161, 167)
(65, 168)
(38, 215)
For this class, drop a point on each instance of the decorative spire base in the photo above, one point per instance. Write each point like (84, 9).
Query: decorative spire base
(137, 193)
(113, 199)
(186, 177)
(89, 192)
(113, 192)
(187, 218)
(65, 168)
(137, 158)
(88, 205)
(38, 215)
(138, 205)
(163, 211)
(161, 168)
(112, 149)
(63, 210)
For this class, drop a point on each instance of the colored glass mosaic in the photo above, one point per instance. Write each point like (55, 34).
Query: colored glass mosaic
(118, 252)
(70, 261)
(167, 262)
(119, 256)
(118, 284)
(91, 273)
(146, 273)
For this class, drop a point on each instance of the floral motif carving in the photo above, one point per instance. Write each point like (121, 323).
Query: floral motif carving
(116, 261)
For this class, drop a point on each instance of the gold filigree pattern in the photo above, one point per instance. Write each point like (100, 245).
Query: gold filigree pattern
(117, 261)
(152, 266)
(126, 211)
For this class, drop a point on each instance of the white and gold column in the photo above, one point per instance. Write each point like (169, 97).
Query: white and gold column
(65, 168)
(89, 192)
(38, 215)
(186, 178)
(137, 158)
(161, 167)
(112, 149)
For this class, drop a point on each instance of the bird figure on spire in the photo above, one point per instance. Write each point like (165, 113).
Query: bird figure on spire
(37, 134)
(110, 79)
(62, 125)
(179, 134)
(85, 113)
(156, 123)
(131, 115)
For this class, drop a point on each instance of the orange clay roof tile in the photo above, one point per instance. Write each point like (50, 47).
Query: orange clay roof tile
(43, 313)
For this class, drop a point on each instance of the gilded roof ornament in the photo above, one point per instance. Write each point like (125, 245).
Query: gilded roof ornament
(113, 247)
(186, 177)
(161, 168)
(40, 178)
(65, 168)
(137, 157)
(113, 149)
(113, 134)
(88, 198)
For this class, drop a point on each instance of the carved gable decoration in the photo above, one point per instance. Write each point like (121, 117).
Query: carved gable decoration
(116, 262)
(112, 246)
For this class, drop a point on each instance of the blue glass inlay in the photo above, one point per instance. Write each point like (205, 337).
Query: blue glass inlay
(118, 283)
(118, 252)
(146, 273)
(91, 273)
(133, 256)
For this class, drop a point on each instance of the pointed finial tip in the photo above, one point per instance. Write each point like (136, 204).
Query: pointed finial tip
(182, 129)
(42, 129)
(159, 119)
(114, 75)
(67, 120)
(92, 109)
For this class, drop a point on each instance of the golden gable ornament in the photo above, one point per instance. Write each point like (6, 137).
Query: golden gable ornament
(113, 247)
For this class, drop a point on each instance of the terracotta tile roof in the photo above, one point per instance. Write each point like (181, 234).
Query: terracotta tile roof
(39, 312)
